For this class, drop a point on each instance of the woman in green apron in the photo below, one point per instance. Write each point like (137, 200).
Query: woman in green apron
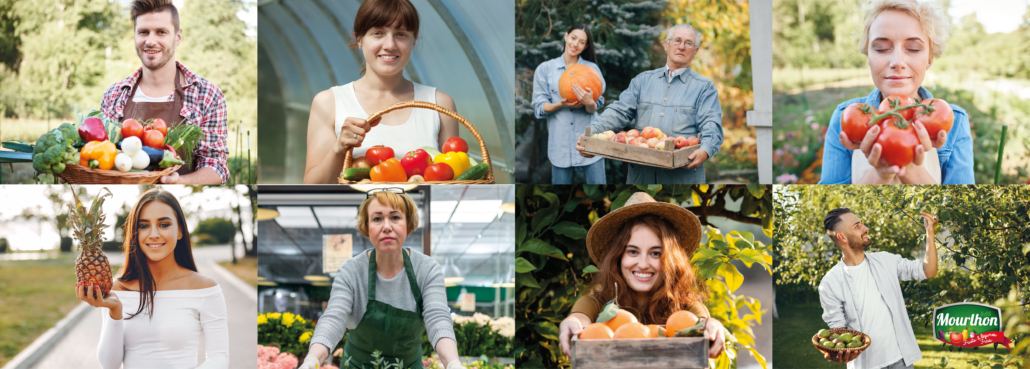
(386, 298)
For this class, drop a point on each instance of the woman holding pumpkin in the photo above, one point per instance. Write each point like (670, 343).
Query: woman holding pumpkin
(386, 298)
(644, 248)
(385, 31)
(901, 39)
(567, 119)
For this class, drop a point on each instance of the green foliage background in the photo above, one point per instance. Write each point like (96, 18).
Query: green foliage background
(219, 230)
(553, 266)
(983, 243)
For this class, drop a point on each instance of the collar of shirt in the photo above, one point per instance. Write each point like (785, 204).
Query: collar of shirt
(189, 76)
(675, 73)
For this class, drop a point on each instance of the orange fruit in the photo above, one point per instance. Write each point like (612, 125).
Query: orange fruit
(632, 330)
(653, 330)
(678, 321)
(621, 318)
(596, 331)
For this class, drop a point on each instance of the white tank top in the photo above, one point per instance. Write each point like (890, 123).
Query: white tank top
(421, 129)
(860, 165)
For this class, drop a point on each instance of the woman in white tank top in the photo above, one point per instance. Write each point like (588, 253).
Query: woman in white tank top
(337, 121)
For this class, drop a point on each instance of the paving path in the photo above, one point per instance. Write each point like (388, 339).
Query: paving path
(78, 349)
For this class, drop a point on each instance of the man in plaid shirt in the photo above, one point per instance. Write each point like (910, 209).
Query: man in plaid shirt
(179, 94)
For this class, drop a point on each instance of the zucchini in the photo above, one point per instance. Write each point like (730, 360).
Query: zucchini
(356, 174)
(474, 173)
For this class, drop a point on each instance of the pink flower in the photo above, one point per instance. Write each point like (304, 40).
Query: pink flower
(815, 126)
(287, 361)
(787, 178)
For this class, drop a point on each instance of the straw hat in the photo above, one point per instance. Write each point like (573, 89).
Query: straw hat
(607, 228)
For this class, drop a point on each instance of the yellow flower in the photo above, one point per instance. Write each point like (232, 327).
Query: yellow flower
(305, 337)
(274, 315)
(288, 320)
(262, 319)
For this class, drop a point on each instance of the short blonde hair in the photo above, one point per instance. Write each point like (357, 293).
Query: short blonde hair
(930, 15)
(397, 201)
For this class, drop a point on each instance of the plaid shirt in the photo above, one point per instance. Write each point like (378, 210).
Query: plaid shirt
(204, 106)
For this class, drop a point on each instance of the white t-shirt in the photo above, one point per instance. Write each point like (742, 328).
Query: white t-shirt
(142, 97)
(875, 318)
(421, 129)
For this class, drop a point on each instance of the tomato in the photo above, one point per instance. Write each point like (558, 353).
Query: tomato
(132, 128)
(439, 172)
(940, 119)
(455, 144)
(154, 138)
(901, 100)
(955, 337)
(377, 154)
(899, 145)
(855, 123)
(159, 124)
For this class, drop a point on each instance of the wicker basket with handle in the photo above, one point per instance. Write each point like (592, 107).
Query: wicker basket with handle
(487, 179)
(865, 341)
(77, 174)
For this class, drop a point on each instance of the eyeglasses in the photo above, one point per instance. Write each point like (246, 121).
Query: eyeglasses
(679, 41)
(396, 190)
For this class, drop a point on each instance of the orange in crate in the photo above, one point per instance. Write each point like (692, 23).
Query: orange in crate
(596, 331)
(621, 318)
(632, 330)
(653, 330)
(678, 321)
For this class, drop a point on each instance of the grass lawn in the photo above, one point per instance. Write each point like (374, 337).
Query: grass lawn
(793, 348)
(35, 297)
(245, 268)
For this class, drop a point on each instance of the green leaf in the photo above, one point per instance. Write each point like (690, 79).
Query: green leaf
(758, 191)
(573, 204)
(547, 330)
(710, 267)
(590, 269)
(544, 217)
(621, 199)
(758, 357)
(539, 247)
(570, 230)
(593, 192)
(749, 256)
(520, 231)
(733, 277)
(525, 280)
(703, 255)
(523, 265)
(718, 245)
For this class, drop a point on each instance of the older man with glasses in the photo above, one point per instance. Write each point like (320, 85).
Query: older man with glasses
(674, 99)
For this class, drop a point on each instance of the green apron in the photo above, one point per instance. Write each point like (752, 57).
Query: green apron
(396, 333)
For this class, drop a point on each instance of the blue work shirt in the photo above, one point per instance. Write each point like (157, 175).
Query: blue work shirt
(956, 157)
(565, 125)
(687, 106)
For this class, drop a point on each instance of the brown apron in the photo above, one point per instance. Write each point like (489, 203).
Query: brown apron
(169, 111)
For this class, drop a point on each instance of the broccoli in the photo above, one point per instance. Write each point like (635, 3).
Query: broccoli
(55, 149)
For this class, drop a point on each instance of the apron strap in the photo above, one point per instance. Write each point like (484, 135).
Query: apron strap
(408, 270)
(178, 102)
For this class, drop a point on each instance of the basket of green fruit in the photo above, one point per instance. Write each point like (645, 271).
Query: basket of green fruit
(840, 339)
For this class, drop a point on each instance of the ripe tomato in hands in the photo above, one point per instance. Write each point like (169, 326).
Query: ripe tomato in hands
(855, 122)
(455, 144)
(898, 101)
(898, 145)
(940, 119)
(154, 138)
(132, 128)
(377, 154)
(439, 172)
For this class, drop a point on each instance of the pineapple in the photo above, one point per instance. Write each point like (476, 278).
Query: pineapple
(88, 224)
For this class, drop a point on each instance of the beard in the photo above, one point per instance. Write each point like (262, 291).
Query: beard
(159, 62)
(859, 243)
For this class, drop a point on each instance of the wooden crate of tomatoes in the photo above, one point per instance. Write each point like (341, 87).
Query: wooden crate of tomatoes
(650, 147)
(422, 165)
(101, 151)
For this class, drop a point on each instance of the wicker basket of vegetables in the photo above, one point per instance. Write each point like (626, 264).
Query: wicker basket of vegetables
(101, 151)
(425, 165)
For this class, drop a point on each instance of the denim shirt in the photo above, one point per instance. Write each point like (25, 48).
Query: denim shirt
(840, 310)
(565, 125)
(956, 157)
(688, 106)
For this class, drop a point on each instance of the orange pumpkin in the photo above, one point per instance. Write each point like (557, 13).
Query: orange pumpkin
(583, 76)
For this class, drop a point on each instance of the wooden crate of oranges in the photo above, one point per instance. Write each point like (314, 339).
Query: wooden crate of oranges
(681, 343)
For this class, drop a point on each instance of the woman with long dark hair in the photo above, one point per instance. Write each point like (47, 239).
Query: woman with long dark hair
(567, 120)
(644, 248)
(174, 305)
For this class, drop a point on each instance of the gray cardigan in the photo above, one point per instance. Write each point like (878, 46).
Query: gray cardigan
(349, 297)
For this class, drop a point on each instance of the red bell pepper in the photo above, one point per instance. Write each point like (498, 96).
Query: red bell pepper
(377, 154)
(92, 129)
(416, 161)
(389, 170)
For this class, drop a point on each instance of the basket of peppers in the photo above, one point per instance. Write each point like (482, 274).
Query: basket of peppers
(101, 151)
(426, 165)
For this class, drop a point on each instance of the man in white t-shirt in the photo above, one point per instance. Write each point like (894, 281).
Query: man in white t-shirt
(863, 293)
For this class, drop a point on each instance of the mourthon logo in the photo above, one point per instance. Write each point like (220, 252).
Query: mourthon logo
(968, 324)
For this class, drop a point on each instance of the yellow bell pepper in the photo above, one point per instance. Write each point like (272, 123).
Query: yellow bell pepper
(98, 154)
(457, 160)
